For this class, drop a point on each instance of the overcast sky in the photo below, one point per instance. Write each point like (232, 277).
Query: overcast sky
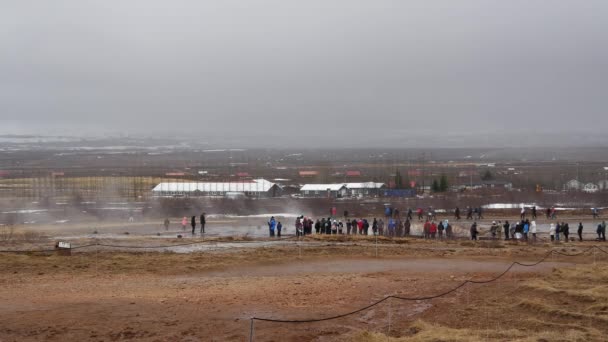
(296, 71)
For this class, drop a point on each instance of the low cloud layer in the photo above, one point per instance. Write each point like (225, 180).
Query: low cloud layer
(339, 73)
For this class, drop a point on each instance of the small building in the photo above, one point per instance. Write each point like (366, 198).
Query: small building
(248, 188)
(324, 190)
(308, 173)
(497, 184)
(591, 188)
(573, 185)
(603, 185)
(467, 173)
(365, 189)
(353, 173)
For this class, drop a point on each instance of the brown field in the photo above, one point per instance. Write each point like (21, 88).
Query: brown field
(101, 295)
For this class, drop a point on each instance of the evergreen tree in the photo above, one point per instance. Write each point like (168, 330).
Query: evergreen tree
(487, 175)
(435, 186)
(398, 180)
(443, 183)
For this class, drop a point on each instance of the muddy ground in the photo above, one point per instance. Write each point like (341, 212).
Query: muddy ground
(100, 295)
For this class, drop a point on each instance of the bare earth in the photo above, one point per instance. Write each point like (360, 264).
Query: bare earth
(211, 296)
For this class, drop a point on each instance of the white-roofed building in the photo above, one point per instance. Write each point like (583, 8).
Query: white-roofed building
(573, 185)
(342, 189)
(365, 189)
(591, 188)
(250, 188)
(323, 190)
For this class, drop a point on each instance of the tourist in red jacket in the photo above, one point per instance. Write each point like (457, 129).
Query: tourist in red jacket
(433, 230)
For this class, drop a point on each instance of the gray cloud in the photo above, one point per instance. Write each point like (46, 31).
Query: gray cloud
(295, 71)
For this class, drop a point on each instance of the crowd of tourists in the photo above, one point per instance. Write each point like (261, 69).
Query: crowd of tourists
(202, 221)
(393, 227)
(393, 224)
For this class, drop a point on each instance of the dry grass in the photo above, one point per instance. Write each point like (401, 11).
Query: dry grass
(11, 234)
(540, 307)
(569, 304)
(421, 331)
(585, 293)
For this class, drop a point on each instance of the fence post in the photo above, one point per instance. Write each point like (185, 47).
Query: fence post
(390, 311)
(251, 331)
(376, 245)
(96, 257)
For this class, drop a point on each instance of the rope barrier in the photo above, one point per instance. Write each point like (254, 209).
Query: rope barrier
(469, 281)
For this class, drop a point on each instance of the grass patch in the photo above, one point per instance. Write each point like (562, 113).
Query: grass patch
(421, 331)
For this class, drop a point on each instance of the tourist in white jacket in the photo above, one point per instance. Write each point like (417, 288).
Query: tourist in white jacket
(552, 231)
(533, 230)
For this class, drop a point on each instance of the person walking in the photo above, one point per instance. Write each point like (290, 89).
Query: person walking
(375, 226)
(474, 231)
(406, 227)
(399, 227)
(272, 223)
(522, 214)
(433, 230)
(299, 226)
(318, 226)
(534, 212)
(506, 227)
(558, 230)
(203, 221)
(565, 231)
(580, 231)
(193, 224)
(448, 230)
(184, 223)
(552, 231)
(349, 225)
(513, 230)
(457, 214)
(440, 229)
(279, 227)
(533, 229)
(166, 223)
(426, 230)
(603, 230)
(526, 229)
(494, 229)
